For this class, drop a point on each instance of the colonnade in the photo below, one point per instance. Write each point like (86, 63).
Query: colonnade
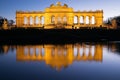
(58, 19)
(40, 21)
(30, 21)
(85, 20)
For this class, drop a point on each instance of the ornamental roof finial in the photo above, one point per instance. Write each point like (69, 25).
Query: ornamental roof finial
(58, 3)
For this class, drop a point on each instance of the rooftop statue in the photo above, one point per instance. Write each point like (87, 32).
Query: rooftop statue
(58, 3)
(65, 5)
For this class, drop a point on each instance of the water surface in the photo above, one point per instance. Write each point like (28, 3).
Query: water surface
(80, 61)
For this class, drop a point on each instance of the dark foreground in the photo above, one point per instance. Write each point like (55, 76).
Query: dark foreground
(19, 36)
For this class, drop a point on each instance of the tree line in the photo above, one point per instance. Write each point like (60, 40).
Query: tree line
(9, 22)
(109, 21)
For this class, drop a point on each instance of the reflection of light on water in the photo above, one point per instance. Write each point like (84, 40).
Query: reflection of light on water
(31, 51)
(92, 50)
(26, 51)
(59, 56)
(87, 51)
(84, 50)
(81, 51)
(75, 51)
(37, 52)
(43, 51)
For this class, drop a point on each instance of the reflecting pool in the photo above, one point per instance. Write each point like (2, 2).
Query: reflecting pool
(80, 61)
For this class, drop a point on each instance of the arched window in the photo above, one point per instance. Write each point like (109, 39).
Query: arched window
(42, 20)
(64, 19)
(93, 20)
(87, 20)
(36, 20)
(53, 19)
(31, 20)
(25, 20)
(81, 20)
(59, 20)
(75, 19)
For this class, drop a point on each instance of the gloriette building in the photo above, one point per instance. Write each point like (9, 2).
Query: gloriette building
(59, 16)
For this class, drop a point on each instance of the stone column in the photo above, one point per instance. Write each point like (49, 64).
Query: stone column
(78, 21)
(61, 20)
(22, 22)
(90, 20)
(28, 21)
(34, 21)
(55, 20)
(97, 21)
(84, 18)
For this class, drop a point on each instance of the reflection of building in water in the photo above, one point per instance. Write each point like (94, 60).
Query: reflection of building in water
(59, 56)
(114, 47)
(4, 49)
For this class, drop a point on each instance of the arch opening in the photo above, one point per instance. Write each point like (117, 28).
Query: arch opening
(59, 20)
(87, 20)
(53, 19)
(36, 20)
(93, 20)
(42, 20)
(31, 20)
(75, 19)
(64, 20)
(81, 20)
(25, 20)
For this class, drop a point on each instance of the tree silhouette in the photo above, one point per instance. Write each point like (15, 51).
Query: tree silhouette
(109, 21)
(117, 19)
(1, 21)
(10, 22)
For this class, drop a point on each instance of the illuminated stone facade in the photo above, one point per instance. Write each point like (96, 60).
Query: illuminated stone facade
(59, 16)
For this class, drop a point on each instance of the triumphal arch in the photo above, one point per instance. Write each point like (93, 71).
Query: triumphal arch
(59, 16)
